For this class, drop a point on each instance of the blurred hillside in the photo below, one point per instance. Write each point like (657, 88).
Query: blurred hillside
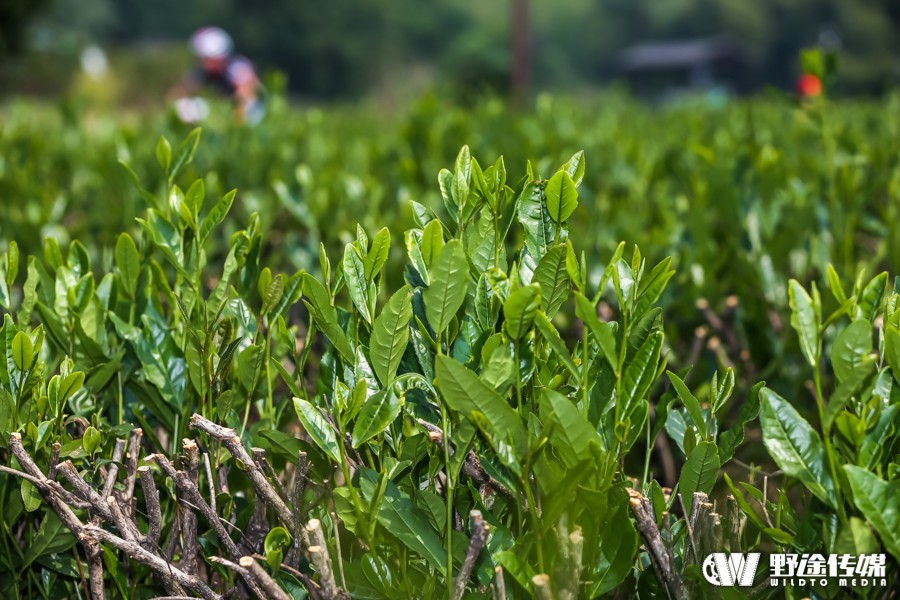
(344, 48)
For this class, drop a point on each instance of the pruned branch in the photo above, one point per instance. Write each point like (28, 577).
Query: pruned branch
(479, 537)
(660, 555)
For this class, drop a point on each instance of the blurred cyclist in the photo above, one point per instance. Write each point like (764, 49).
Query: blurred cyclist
(218, 67)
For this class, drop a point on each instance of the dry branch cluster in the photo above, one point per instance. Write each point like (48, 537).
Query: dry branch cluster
(707, 532)
(108, 515)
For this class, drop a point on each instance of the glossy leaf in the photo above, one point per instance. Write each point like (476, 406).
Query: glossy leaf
(795, 446)
(879, 502)
(449, 282)
(562, 197)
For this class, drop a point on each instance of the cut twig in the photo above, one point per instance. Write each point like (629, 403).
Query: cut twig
(136, 552)
(86, 492)
(151, 499)
(131, 462)
(265, 581)
(190, 545)
(265, 489)
(318, 555)
(259, 457)
(499, 584)
(113, 471)
(479, 537)
(542, 587)
(660, 557)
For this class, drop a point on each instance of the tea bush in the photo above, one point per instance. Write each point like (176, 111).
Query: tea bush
(486, 426)
(741, 196)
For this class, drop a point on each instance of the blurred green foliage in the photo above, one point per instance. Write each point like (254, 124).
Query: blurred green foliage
(741, 196)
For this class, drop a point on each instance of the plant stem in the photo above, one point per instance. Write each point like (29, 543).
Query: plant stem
(826, 437)
(449, 475)
(585, 347)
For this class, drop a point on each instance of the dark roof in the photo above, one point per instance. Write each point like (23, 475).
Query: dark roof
(678, 53)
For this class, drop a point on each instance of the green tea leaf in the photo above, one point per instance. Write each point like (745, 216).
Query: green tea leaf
(699, 472)
(618, 546)
(164, 154)
(464, 392)
(548, 331)
(641, 372)
(30, 496)
(795, 446)
(22, 351)
(357, 284)
(562, 197)
(216, 215)
(554, 280)
(390, 335)
(376, 414)
(691, 403)
(378, 254)
(805, 320)
(318, 429)
(850, 347)
(879, 502)
(409, 524)
(90, 441)
(128, 260)
(871, 296)
(326, 317)
(520, 309)
(449, 283)
(729, 440)
(574, 437)
(603, 333)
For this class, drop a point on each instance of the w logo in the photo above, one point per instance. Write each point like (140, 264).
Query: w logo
(731, 569)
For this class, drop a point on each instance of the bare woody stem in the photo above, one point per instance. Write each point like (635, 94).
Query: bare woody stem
(151, 498)
(263, 487)
(479, 537)
(318, 555)
(263, 579)
(139, 554)
(660, 556)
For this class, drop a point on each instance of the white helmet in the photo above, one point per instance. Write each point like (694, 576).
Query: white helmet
(211, 42)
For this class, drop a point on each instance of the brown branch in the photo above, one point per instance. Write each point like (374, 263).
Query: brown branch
(660, 557)
(151, 499)
(211, 482)
(113, 472)
(265, 581)
(471, 466)
(127, 529)
(296, 501)
(131, 462)
(85, 491)
(498, 586)
(318, 555)
(542, 587)
(191, 498)
(54, 461)
(259, 457)
(480, 530)
(190, 545)
(257, 477)
(139, 554)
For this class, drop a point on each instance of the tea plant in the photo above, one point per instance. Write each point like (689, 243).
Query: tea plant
(450, 439)
(849, 463)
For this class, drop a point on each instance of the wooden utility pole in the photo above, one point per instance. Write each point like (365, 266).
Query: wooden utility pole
(520, 69)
